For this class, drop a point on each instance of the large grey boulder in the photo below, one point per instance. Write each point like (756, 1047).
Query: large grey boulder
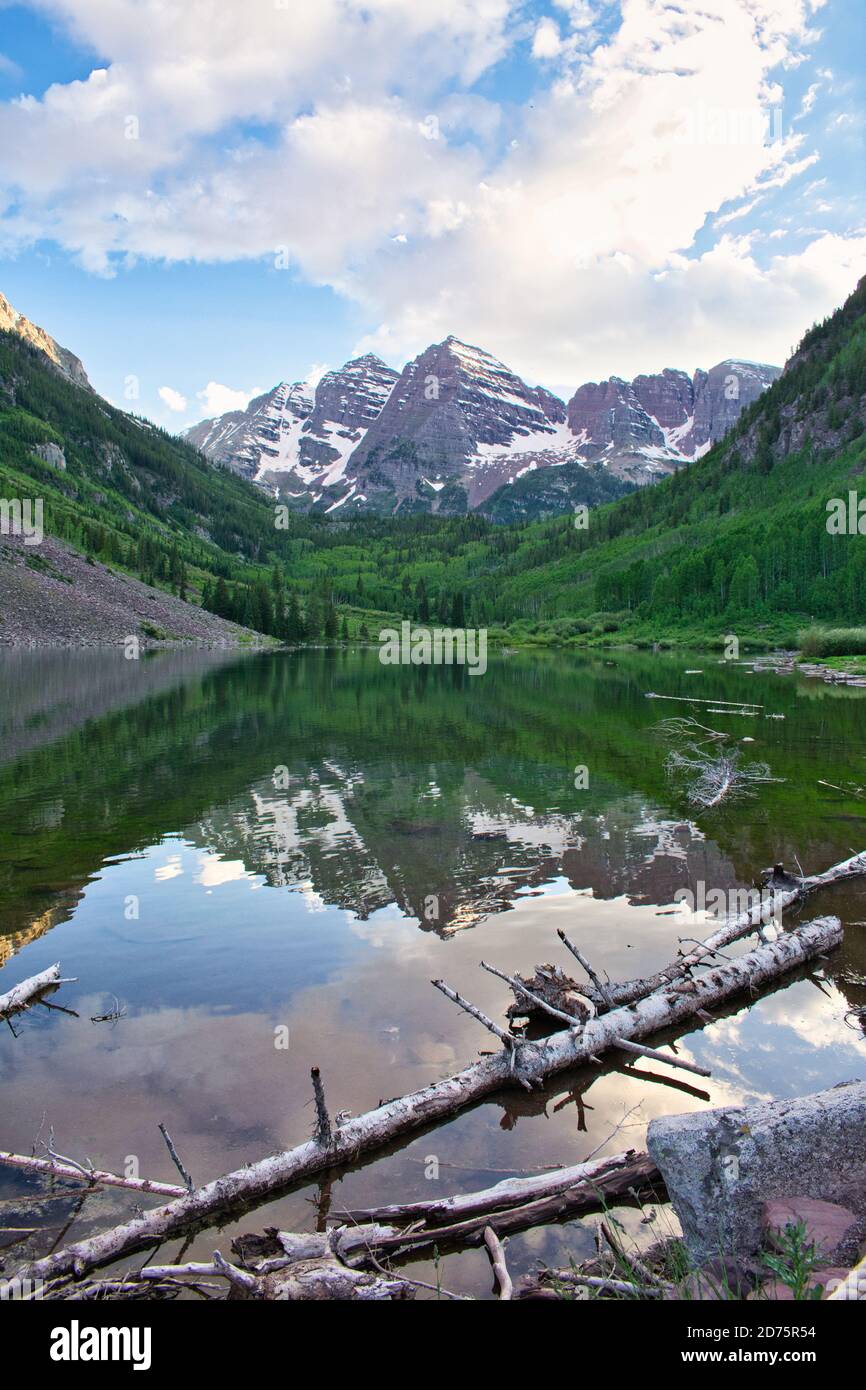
(721, 1166)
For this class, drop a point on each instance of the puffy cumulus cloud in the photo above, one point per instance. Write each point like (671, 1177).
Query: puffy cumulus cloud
(217, 399)
(546, 42)
(173, 399)
(149, 157)
(576, 256)
(560, 235)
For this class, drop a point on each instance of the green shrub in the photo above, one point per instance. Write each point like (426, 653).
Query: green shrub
(832, 641)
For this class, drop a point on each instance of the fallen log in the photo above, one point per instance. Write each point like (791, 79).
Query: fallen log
(526, 1063)
(552, 1283)
(540, 1003)
(314, 1271)
(625, 1169)
(563, 1206)
(784, 891)
(23, 994)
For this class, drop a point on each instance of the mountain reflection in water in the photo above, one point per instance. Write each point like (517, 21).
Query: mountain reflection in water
(230, 845)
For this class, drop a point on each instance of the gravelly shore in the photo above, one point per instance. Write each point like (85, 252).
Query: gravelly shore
(52, 596)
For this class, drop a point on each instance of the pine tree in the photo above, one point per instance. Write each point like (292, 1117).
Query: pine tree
(221, 603)
(421, 601)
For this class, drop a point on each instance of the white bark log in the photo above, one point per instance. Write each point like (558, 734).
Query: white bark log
(528, 1064)
(20, 995)
(512, 1192)
(500, 1268)
(731, 930)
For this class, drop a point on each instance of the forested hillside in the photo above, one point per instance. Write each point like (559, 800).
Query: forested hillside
(126, 493)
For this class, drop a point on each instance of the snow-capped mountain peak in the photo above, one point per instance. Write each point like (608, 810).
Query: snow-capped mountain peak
(295, 438)
(456, 425)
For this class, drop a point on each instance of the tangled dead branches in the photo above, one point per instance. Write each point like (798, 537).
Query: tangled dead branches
(710, 780)
(678, 729)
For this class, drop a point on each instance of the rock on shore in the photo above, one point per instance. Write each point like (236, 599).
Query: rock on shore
(721, 1166)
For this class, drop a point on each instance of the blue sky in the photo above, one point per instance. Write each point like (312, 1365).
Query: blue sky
(210, 197)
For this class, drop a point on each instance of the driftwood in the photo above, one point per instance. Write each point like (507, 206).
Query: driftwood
(640, 1182)
(549, 983)
(603, 1175)
(94, 1176)
(308, 1268)
(549, 986)
(497, 1259)
(554, 1283)
(524, 1063)
(712, 780)
(21, 996)
(320, 1278)
(781, 890)
(700, 700)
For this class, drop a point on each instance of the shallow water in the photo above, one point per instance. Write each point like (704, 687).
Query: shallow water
(235, 846)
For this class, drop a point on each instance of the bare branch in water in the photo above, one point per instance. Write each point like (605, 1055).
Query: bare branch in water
(677, 729)
(711, 780)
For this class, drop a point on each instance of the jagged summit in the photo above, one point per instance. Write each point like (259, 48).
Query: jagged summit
(70, 366)
(297, 439)
(457, 425)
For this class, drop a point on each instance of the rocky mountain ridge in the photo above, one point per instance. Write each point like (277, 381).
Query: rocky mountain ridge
(70, 366)
(456, 426)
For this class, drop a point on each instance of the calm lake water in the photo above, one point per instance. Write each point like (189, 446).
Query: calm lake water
(233, 846)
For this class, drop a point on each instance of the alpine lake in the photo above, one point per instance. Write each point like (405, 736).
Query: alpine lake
(255, 864)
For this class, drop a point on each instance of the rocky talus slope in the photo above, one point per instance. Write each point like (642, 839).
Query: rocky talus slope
(50, 594)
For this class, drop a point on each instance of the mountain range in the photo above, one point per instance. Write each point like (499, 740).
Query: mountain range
(456, 429)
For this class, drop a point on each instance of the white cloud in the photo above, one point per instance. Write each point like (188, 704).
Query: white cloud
(559, 234)
(173, 399)
(546, 42)
(217, 399)
(315, 374)
(576, 258)
(809, 99)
